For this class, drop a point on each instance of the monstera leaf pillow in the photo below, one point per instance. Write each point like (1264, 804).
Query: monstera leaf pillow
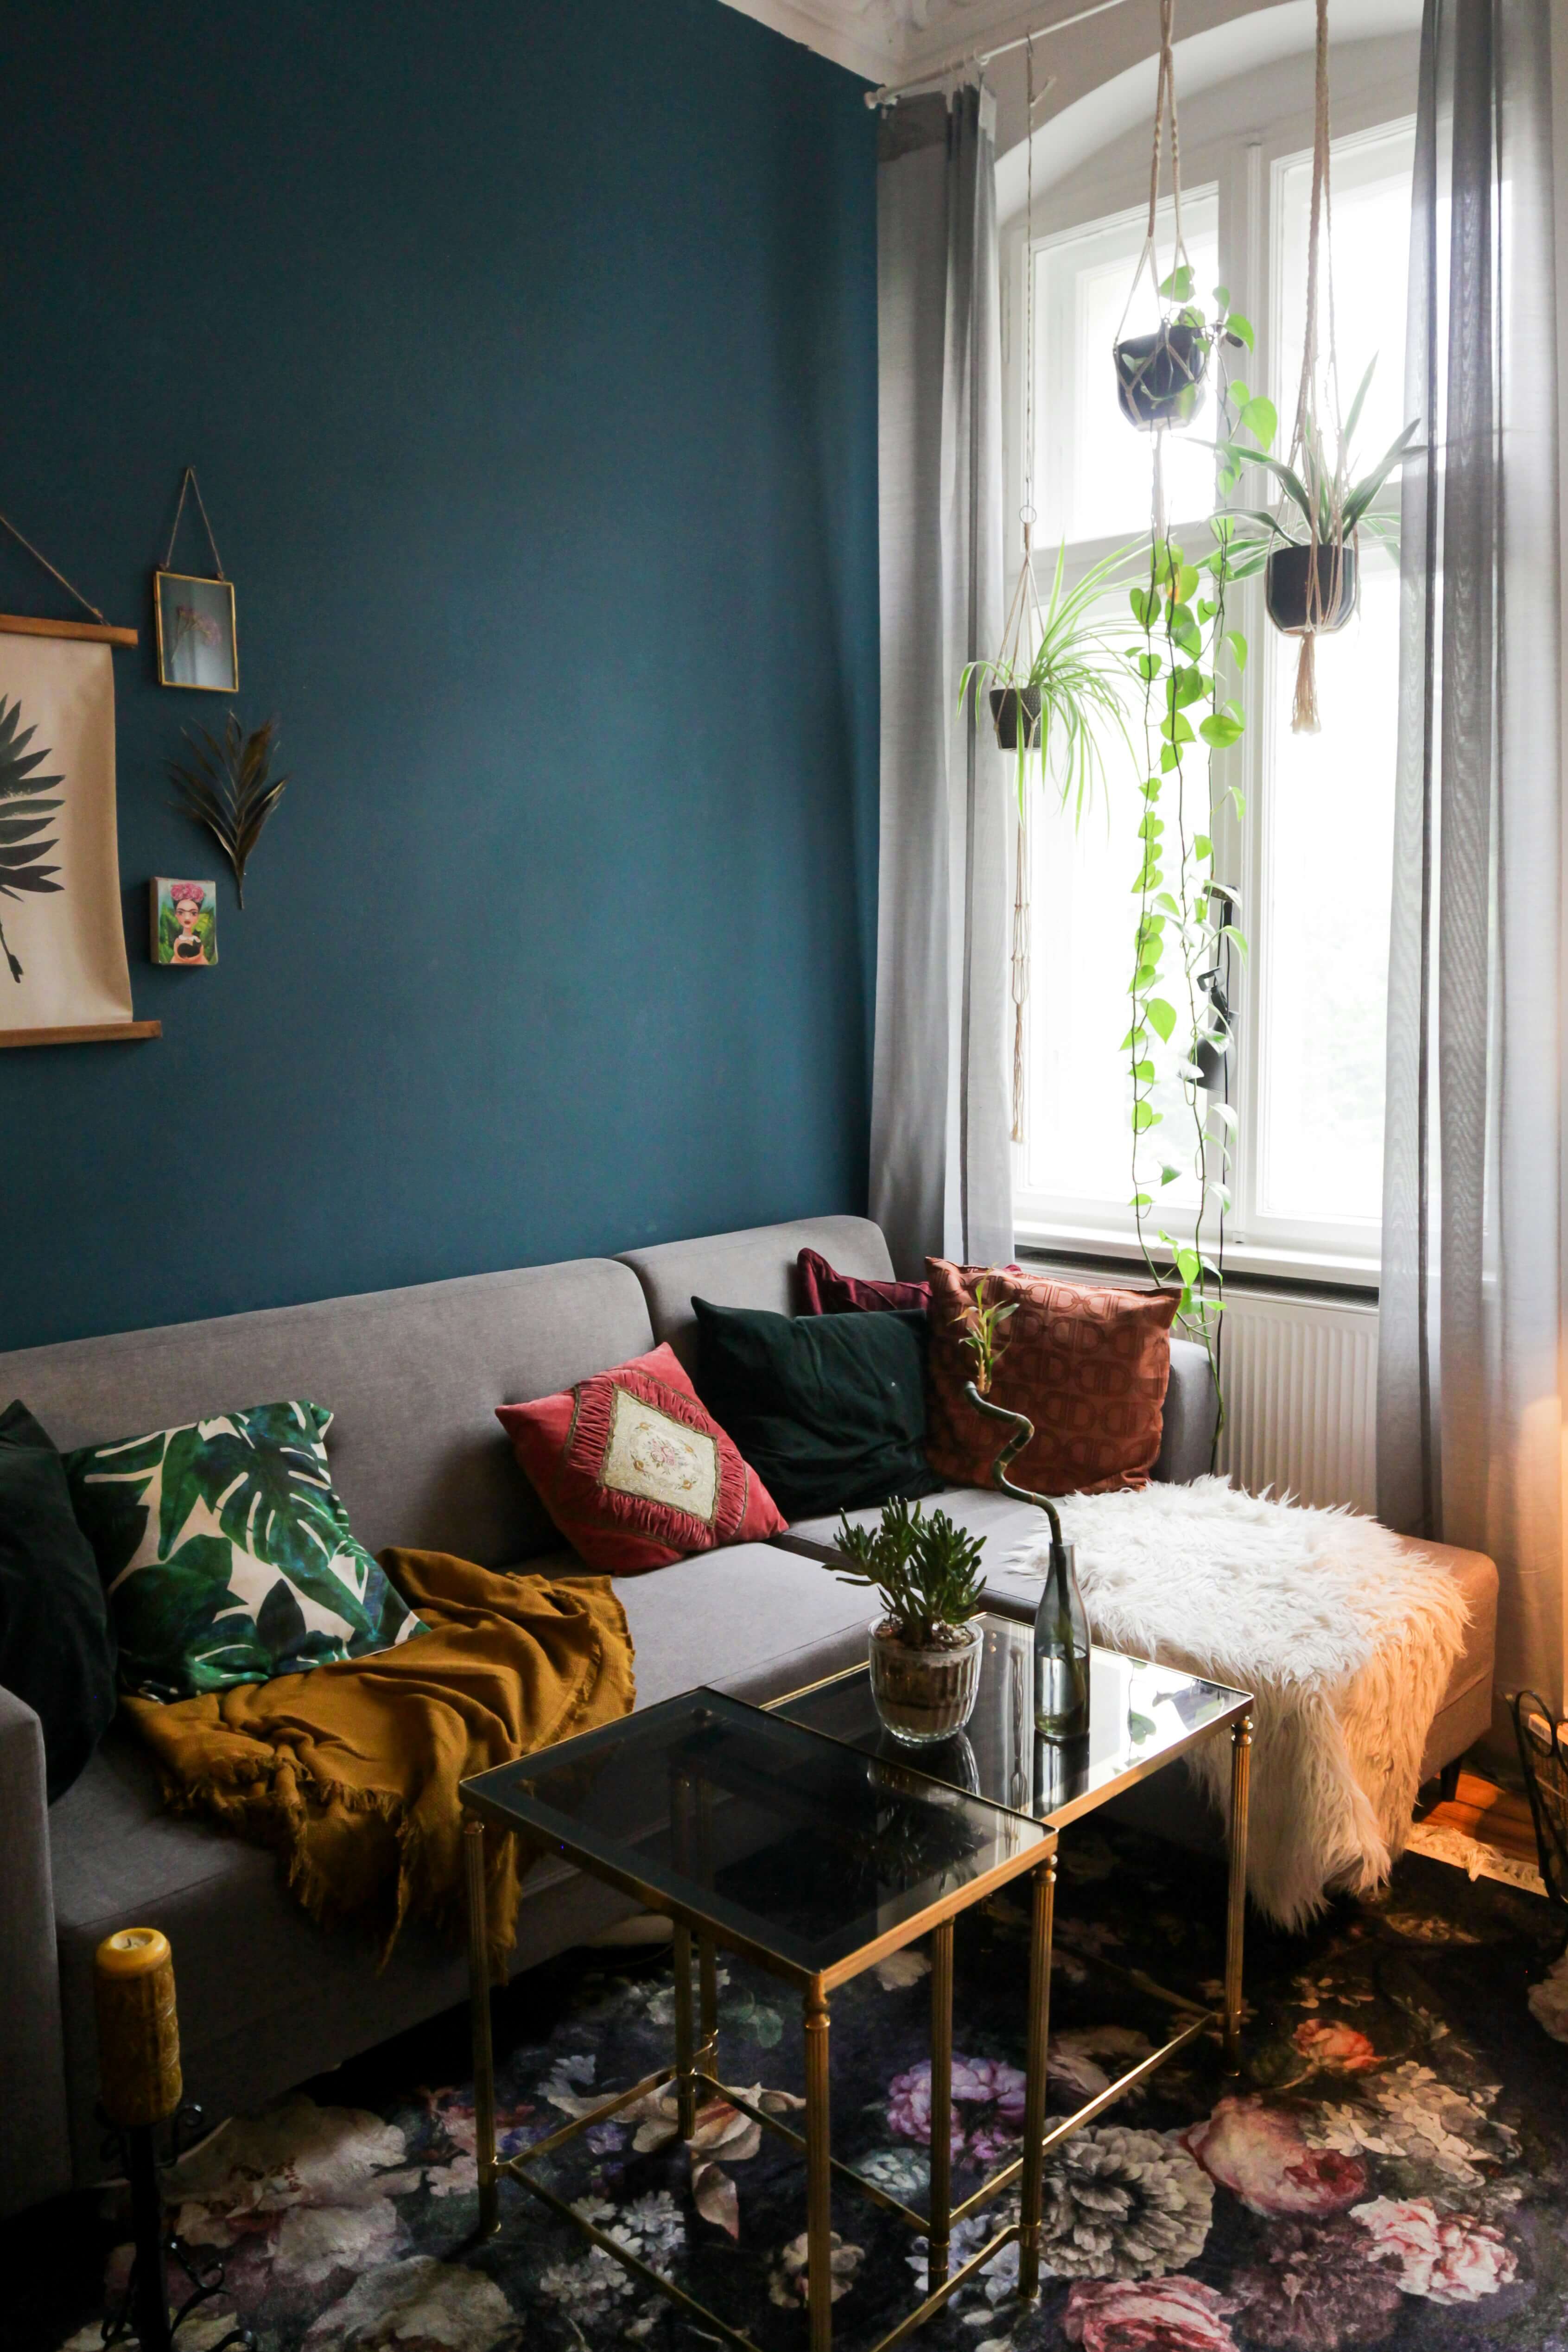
(226, 1554)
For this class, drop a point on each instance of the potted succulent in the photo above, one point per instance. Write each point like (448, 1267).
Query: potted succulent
(1057, 698)
(924, 1647)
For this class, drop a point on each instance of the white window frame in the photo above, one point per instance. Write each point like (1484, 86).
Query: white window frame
(1244, 165)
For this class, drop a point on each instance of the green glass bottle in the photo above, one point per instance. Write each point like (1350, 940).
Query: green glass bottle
(1061, 1651)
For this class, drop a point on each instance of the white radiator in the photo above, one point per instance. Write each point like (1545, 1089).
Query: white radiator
(1299, 1377)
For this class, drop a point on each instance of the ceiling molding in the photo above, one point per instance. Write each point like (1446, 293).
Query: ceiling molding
(835, 29)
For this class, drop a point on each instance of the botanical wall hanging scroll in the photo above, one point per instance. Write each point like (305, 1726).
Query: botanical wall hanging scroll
(64, 978)
(197, 644)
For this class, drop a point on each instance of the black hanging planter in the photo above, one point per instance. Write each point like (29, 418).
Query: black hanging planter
(1160, 377)
(1290, 570)
(1005, 702)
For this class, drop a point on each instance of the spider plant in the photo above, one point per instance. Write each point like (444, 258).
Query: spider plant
(1062, 696)
(1322, 501)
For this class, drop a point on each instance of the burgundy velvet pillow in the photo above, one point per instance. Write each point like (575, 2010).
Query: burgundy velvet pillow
(826, 1292)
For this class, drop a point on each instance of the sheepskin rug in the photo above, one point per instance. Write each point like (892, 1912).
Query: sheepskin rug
(1346, 1639)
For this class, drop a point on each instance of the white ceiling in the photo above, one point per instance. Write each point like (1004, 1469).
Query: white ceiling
(888, 40)
(885, 38)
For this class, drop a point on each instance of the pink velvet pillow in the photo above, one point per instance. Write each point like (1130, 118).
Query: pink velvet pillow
(633, 1471)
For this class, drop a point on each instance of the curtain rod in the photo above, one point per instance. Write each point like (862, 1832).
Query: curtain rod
(890, 93)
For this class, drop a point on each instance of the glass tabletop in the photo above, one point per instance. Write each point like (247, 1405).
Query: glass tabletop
(1140, 1716)
(796, 1848)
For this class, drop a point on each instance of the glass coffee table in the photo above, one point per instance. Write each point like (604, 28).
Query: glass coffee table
(799, 1835)
(793, 1850)
(1141, 1717)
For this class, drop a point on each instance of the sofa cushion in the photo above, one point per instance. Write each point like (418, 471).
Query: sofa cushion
(412, 1377)
(756, 1268)
(717, 1617)
(56, 1644)
(226, 1554)
(828, 1409)
(634, 1472)
(1087, 1365)
(824, 1291)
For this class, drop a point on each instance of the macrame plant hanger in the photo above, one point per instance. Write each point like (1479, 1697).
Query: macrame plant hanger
(1024, 625)
(1326, 490)
(1165, 105)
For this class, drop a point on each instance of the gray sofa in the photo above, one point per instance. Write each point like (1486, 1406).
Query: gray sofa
(413, 1378)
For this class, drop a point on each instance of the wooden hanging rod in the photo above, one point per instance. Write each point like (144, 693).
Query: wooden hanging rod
(98, 633)
(95, 1033)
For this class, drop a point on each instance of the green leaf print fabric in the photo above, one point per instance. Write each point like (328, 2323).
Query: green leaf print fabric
(226, 1555)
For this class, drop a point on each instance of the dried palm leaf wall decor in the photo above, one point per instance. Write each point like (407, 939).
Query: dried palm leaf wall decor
(228, 786)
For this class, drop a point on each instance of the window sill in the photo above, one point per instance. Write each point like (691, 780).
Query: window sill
(1324, 1269)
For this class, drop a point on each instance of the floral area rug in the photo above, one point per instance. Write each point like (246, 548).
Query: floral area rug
(1390, 2169)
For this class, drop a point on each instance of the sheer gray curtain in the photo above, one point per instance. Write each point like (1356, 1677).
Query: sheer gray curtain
(1470, 1424)
(940, 1172)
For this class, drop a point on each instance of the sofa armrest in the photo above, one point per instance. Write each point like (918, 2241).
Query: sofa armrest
(1192, 1416)
(34, 2140)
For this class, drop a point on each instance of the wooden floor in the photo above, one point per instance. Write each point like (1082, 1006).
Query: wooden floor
(1493, 1816)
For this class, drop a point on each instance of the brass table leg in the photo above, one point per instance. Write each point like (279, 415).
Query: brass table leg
(941, 2203)
(685, 2086)
(818, 2174)
(1045, 1883)
(708, 1995)
(1236, 1920)
(479, 2016)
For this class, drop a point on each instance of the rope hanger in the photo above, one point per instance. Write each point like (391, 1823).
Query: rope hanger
(6, 524)
(190, 483)
(1322, 598)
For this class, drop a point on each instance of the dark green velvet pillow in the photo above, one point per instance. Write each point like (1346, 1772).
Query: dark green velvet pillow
(56, 1644)
(830, 1409)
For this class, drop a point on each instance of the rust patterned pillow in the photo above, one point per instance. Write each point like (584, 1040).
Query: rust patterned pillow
(633, 1471)
(1089, 1366)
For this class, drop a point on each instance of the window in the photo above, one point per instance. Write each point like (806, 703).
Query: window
(1312, 855)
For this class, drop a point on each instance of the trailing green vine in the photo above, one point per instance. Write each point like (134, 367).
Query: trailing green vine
(1186, 927)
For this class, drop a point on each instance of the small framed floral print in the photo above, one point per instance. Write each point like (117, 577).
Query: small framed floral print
(196, 642)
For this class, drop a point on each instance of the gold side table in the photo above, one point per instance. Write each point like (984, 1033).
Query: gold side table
(791, 1849)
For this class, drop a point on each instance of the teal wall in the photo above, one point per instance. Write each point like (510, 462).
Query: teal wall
(526, 355)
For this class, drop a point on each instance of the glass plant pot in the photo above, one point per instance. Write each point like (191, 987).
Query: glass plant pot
(924, 1695)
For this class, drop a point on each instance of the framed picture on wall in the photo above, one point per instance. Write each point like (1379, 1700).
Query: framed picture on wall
(185, 923)
(196, 642)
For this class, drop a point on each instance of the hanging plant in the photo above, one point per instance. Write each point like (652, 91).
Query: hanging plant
(1187, 932)
(1160, 376)
(1060, 678)
(1310, 553)
(1309, 546)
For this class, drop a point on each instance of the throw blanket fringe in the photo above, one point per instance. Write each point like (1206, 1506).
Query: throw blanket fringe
(1346, 1639)
(350, 1774)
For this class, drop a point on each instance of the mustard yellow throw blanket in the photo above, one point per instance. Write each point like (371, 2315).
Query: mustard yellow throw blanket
(350, 1774)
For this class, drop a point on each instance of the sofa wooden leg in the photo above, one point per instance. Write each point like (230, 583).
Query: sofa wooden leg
(1448, 1781)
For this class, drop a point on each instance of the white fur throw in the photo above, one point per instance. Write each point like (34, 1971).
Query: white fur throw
(1346, 1639)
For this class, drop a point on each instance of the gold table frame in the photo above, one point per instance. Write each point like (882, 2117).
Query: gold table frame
(696, 2055)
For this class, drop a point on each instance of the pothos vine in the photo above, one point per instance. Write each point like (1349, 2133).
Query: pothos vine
(1186, 929)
